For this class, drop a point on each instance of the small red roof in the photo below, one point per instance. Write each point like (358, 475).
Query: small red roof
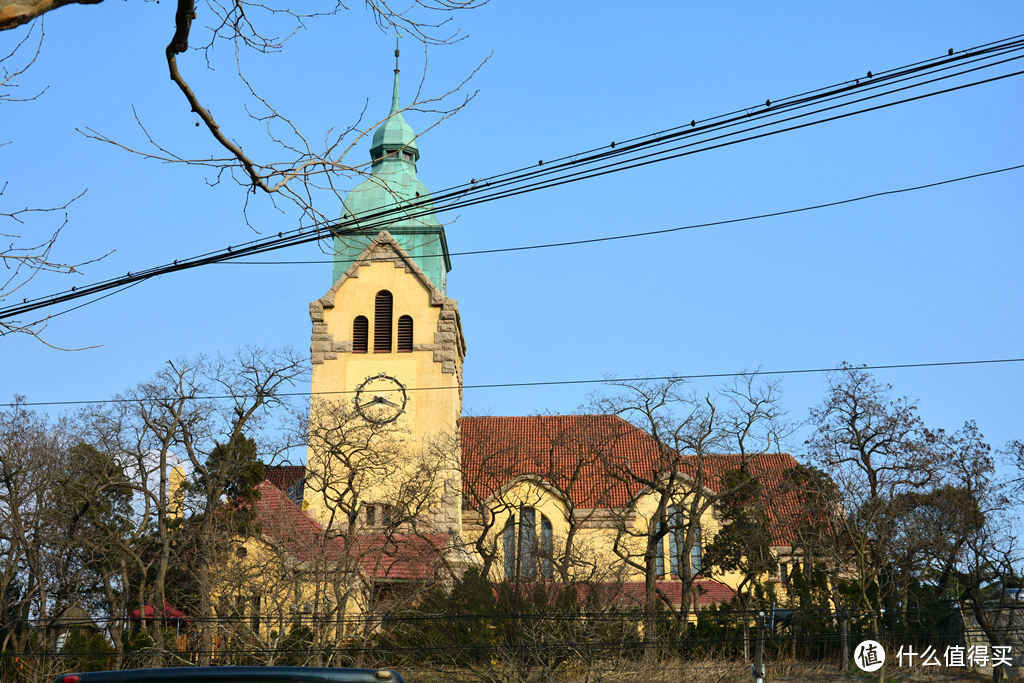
(170, 612)
(401, 557)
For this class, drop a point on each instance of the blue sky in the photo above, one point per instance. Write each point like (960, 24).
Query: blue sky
(919, 277)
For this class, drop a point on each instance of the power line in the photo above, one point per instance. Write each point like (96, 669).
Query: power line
(514, 183)
(663, 231)
(543, 383)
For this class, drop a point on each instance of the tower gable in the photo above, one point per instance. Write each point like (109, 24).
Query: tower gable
(448, 344)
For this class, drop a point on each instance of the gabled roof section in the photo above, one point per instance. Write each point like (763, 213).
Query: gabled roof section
(294, 531)
(450, 344)
(383, 557)
(288, 478)
(383, 248)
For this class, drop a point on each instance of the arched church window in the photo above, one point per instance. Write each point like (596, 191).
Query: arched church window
(405, 334)
(696, 560)
(524, 556)
(360, 334)
(382, 322)
(673, 542)
(547, 548)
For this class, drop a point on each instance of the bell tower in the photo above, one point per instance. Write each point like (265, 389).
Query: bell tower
(387, 352)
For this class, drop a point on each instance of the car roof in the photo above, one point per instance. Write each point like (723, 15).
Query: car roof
(223, 674)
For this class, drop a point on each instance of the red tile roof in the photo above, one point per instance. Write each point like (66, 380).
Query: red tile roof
(392, 557)
(284, 476)
(283, 522)
(575, 452)
(571, 452)
(401, 557)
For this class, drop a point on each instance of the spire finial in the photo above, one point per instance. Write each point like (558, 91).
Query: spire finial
(395, 104)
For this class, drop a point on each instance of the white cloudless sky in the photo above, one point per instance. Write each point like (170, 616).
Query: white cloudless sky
(920, 277)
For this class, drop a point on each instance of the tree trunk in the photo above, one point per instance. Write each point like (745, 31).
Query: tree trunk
(746, 641)
(844, 639)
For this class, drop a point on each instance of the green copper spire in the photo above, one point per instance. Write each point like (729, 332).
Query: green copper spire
(393, 184)
(396, 105)
(395, 136)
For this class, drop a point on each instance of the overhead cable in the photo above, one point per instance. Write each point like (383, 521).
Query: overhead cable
(765, 120)
(541, 383)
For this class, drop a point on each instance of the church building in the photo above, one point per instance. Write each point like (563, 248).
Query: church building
(401, 488)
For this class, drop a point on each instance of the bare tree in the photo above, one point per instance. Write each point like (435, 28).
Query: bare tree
(27, 233)
(376, 495)
(685, 434)
(300, 170)
(875, 449)
(63, 506)
(297, 171)
(168, 422)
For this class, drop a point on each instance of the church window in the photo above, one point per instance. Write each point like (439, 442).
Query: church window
(382, 322)
(381, 514)
(673, 541)
(524, 556)
(360, 334)
(405, 334)
(547, 548)
(696, 558)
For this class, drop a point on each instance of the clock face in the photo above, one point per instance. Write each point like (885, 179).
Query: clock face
(381, 399)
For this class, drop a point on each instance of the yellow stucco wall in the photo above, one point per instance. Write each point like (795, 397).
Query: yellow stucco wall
(594, 540)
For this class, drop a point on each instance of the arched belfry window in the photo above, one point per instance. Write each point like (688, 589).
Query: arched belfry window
(382, 307)
(405, 334)
(523, 554)
(360, 334)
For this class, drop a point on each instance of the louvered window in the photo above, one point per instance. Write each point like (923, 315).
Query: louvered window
(382, 322)
(405, 334)
(360, 334)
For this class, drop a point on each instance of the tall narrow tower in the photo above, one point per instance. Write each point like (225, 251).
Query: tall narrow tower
(387, 354)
